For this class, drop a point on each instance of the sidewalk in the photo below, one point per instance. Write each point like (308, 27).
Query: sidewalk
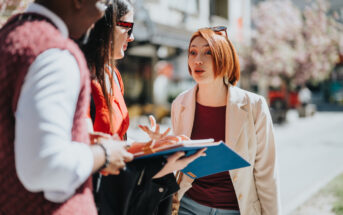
(309, 153)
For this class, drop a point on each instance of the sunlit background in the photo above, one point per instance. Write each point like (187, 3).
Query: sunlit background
(291, 52)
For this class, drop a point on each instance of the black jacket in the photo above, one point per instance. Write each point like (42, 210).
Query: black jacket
(134, 192)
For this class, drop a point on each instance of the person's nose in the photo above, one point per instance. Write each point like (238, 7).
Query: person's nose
(131, 38)
(198, 61)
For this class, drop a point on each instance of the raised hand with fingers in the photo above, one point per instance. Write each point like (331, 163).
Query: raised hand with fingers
(154, 130)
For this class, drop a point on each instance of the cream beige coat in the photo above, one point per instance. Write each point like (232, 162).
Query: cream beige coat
(249, 132)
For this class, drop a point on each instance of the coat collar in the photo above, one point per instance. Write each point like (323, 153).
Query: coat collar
(235, 114)
(188, 110)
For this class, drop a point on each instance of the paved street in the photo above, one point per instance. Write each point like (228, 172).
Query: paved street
(310, 154)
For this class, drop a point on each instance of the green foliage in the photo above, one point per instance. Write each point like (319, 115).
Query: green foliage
(335, 188)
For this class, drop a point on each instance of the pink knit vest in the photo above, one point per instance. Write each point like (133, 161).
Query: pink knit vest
(22, 39)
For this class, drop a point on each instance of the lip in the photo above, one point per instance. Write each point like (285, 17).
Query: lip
(124, 47)
(198, 70)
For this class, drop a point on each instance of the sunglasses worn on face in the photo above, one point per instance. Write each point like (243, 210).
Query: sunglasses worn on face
(126, 25)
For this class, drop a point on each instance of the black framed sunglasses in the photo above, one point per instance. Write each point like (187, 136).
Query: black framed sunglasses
(126, 25)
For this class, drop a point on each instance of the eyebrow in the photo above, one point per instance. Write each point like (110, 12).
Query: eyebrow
(203, 45)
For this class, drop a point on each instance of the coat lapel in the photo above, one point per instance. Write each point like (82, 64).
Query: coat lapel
(188, 111)
(236, 116)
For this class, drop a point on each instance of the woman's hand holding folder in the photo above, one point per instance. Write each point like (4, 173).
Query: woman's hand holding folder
(177, 161)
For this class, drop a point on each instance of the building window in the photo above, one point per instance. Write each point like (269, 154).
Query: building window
(219, 8)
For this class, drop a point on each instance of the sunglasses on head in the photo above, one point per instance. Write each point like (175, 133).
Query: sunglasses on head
(219, 29)
(126, 25)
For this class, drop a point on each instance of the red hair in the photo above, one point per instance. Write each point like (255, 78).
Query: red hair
(224, 56)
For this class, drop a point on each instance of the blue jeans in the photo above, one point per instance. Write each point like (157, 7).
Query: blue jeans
(190, 207)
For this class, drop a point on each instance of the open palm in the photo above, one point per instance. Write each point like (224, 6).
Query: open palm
(154, 130)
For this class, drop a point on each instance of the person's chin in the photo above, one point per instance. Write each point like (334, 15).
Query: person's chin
(202, 80)
(122, 53)
(119, 56)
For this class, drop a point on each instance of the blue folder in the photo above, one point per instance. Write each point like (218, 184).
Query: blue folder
(219, 157)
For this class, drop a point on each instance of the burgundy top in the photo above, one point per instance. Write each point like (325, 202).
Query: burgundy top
(215, 190)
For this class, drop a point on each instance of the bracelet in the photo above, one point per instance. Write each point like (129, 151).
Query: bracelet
(107, 156)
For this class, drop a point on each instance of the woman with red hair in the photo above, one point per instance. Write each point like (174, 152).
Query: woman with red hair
(216, 108)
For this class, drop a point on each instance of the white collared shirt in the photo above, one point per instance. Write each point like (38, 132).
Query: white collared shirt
(46, 158)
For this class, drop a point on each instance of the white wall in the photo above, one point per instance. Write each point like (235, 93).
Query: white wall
(240, 20)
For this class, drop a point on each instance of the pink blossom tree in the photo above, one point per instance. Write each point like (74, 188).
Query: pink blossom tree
(297, 46)
(9, 7)
(322, 40)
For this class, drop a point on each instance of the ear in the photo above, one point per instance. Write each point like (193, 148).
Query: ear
(78, 4)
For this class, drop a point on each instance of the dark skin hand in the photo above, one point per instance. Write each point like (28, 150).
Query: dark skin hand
(119, 156)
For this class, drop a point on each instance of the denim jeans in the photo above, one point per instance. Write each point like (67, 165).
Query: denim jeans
(190, 207)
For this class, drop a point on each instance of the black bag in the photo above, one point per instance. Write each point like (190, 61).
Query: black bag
(134, 192)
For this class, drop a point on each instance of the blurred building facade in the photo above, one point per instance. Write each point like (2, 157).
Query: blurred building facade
(162, 32)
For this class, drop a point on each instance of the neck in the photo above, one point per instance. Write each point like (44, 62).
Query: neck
(51, 5)
(212, 94)
(62, 10)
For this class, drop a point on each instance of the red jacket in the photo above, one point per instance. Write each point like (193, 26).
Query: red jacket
(120, 116)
